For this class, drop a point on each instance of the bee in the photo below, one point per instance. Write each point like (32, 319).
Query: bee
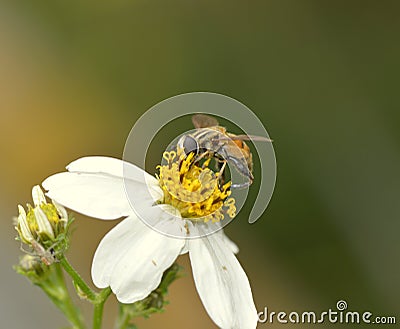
(210, 140)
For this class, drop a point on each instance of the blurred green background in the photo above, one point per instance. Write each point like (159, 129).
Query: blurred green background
(322, 76)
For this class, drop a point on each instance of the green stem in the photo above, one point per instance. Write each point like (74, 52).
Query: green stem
(97, 299)
(82, 285)
(56, 289)
(123, 318)
(99, 306)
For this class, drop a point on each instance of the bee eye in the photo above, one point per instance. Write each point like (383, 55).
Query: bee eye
(190, 145)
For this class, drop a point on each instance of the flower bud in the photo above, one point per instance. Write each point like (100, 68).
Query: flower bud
(43, 226)
(30, 263)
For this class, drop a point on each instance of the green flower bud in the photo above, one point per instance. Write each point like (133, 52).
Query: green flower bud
(29, 263)
(31, 267)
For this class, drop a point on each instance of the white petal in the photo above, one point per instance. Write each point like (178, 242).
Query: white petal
(185, 248)
(112, 248)
(90, 194)
(131, 259)
(222, 283)
(96, 187)
(23, 225)
(164, 219)
(111, 166)
(232, 245)
(43, 222)
(22, 212)
(189, 227)
(38, 196)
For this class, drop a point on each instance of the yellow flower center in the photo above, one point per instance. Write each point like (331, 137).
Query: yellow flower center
(193, 189)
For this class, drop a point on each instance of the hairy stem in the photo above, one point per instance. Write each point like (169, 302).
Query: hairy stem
(86, 291)
(99, 306)
(56, 289)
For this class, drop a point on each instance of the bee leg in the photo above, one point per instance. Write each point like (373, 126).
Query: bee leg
(221, 171)
(201, 156)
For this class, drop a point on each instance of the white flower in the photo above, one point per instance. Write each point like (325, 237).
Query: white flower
(132, 257)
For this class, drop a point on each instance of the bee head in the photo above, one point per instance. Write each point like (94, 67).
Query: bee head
(188, 144)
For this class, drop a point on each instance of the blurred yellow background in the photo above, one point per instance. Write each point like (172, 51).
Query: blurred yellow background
(323, 77)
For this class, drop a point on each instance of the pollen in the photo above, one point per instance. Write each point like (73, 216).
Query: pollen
(193, 189)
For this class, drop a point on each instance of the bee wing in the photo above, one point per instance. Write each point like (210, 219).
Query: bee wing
(246, 138)
(204, 121)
